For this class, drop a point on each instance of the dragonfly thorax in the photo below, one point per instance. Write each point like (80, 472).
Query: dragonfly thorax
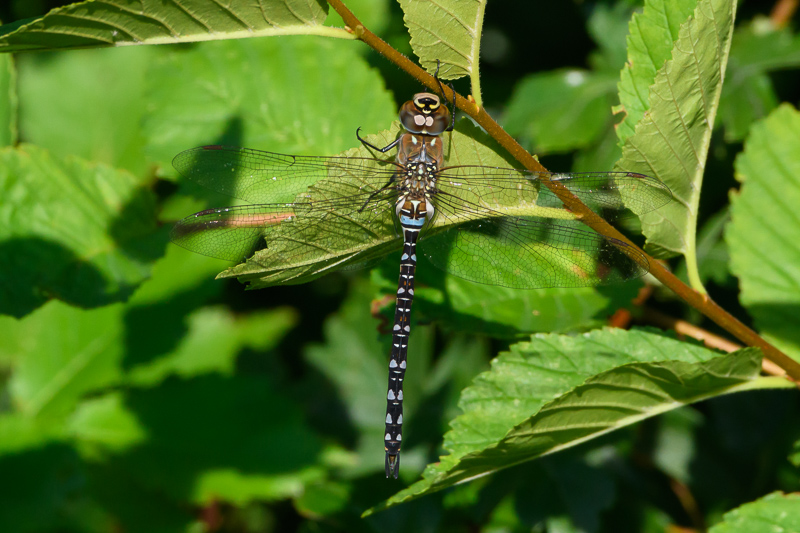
(425, 114)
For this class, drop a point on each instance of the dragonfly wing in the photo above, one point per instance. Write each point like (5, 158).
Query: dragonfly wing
(230, 233)
(532, 252)
(321, 233)
(608, 193)
(267, 177)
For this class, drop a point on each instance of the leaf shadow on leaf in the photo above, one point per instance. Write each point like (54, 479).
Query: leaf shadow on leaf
(155, 330)
(38, 270)
(140, 241)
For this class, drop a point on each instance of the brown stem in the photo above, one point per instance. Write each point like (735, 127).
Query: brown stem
(701, 302)
(682, 327)
(782, 12)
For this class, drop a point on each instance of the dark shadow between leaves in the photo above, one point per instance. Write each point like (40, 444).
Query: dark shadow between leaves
(237, 424)
(39, 488)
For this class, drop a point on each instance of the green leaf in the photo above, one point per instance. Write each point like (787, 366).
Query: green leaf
(599, 383)
(62, 353)
(561, 110)
(608, 27)
(65, 110)
(500, 312)
(764, 233)
(260, 447)
(92, 245)
(306, 257)
(9, 96)
(38, 488)
(653, 33)
(672, 139)
(103, 426)
(773, 512)
(214, 338)
(504, 312)
(448, 31)
(748, 94)
(128, 22)
(301, 96)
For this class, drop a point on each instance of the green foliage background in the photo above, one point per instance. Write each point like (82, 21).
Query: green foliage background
(138, 393)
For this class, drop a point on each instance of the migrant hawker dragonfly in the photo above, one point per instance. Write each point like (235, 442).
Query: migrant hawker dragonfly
(499, 226)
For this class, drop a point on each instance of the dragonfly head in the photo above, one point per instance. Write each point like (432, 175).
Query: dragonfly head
(425, 114)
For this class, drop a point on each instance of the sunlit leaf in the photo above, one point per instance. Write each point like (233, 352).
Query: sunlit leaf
(774, 512)
(763, 236)
(64, 109)
(300, 96)
(672, 139)
(653, 33)
(448, 31)
(599, 383)
(130, 22)
(8, 102)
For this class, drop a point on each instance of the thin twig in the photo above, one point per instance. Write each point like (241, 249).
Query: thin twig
(701, 302)
(782, 12)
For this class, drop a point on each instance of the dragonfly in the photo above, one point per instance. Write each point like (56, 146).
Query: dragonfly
(310, 215)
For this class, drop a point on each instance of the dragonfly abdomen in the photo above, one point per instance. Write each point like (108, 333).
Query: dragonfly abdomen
(412, 214)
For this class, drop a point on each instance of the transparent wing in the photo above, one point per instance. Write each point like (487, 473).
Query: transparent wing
(265, 177)
(324, 227)
(609, 192)
(531, 252)
(513, 231)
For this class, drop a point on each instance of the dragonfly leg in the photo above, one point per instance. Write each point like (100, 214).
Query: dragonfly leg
(444, 95)
(372, 146)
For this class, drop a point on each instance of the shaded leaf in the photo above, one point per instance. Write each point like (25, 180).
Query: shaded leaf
(500, 312)
(561, 110)
(259, 448)
(60, 353)
(43, 494)
(672, 139)
(598, 384)
(712, 252)
(129, 22)
(764, 232)
(748, 94)
(354, 360)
